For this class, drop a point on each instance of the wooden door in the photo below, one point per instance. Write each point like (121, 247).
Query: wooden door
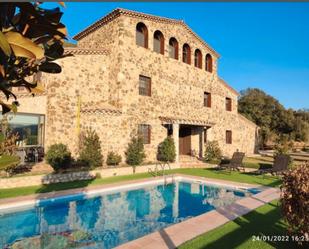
(185, 141)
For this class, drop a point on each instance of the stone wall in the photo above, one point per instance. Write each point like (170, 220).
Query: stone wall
(108, 88)
(15, 182)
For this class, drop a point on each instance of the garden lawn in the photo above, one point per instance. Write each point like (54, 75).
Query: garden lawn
(265, 220)
(7, 160)
(210, 173)
(258, 162)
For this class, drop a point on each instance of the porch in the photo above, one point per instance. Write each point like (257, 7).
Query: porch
(189, 136)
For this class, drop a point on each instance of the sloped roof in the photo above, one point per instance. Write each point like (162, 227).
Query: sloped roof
(119, 11)
(228, 86)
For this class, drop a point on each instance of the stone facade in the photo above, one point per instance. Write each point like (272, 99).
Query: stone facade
(99, 88)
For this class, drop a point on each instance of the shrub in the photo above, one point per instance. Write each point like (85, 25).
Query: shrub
(58, 156)
(295, 200)
(113, 158)
(212, 152)
(167, 150)
(135, 153)
(8, 144)
(282, 148)
(90, 152)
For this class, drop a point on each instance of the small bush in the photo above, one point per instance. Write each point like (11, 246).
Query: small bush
(295, 200)
(167, 150)
(212, 152)
(281, 148)
(135, 153)
(90, 152)
(58, 156)
(113, 158)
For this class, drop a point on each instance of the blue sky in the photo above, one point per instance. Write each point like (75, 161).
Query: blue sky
(263, 45)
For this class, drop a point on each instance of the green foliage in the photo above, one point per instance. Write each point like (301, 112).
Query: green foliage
(31, 38)
(58, 156)
(90, 151)
(8, 144)
(167, 150)
(8, 162)
(212, 152)
(113, 158)
(272, 117)
(135, 153)
(282, 146)
(295, 200)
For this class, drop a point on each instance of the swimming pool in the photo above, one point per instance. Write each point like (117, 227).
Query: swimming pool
(112, 218)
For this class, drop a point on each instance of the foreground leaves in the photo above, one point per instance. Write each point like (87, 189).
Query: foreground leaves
(295, 201)
(30, 38)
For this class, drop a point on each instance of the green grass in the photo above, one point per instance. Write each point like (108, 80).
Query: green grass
(233, 176)
(260, 162)
(265, 220)
(7, 160)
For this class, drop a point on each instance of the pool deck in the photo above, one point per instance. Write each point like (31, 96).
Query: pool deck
(174, 235)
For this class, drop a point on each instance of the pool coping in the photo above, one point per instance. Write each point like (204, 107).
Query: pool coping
(179, 233)
(176, 234)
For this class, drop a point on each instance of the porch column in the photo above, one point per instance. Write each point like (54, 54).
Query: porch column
(176, 140)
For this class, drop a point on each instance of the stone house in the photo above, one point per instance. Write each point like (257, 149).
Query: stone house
(134, 73)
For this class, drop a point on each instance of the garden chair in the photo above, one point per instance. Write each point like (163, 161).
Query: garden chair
(235, 162)
(281, 164)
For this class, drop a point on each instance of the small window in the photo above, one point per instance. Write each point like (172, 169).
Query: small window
(173, 48)
(141, 35)
(228, 137)
(228, 104)
(198, 58)
(186, 54)
(158, 42)
(207, 99)
(144, 131)
(144, 85)
(208, 63)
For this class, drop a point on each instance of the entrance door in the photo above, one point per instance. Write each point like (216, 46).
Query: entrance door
(185, 140)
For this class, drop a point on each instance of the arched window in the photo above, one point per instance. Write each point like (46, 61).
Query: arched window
(186, 54)
(141, 35)
(208, 63)
(158, 42)
(198, 58)
(173, 48)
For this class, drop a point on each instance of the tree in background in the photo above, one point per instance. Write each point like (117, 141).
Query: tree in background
(31, 38)
(273, 119)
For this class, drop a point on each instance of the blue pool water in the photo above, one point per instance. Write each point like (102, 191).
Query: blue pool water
(111, 219)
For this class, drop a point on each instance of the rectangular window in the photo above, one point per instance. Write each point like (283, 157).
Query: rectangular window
(28, 127)
(207, 99)
(144, 131)
(228, 137)
(228, 104)
(144, 85)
